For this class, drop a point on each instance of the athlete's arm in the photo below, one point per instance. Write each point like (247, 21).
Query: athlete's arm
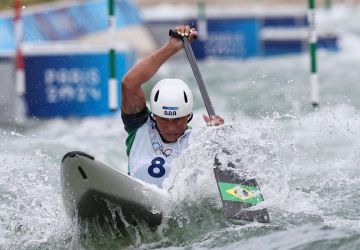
(133, 97)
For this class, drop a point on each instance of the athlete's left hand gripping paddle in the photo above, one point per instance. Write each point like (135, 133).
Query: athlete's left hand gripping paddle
(238, 193)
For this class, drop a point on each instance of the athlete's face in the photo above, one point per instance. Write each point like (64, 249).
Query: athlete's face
(171, 129)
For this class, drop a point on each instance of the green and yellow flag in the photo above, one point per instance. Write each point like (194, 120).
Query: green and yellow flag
(240, 193)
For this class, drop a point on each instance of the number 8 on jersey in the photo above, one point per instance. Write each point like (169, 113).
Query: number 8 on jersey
(156, 169)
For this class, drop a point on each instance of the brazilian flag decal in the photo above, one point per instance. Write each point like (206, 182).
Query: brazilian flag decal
(240, 193)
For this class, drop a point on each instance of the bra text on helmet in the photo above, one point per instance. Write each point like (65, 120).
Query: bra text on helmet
(170, 113)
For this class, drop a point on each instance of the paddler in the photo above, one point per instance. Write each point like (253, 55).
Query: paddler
(157, 137)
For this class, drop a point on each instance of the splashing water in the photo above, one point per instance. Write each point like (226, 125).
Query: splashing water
(306, 162)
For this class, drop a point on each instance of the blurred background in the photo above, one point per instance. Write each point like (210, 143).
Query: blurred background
(36, 32)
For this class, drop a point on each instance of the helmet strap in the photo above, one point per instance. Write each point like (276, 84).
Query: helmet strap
(191, 117)
(152, 118)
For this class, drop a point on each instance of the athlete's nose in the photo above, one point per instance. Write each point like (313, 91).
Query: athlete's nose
(173, 124)
(171, 128)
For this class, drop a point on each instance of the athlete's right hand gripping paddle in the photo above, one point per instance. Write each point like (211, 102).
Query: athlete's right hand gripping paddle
(238, 193)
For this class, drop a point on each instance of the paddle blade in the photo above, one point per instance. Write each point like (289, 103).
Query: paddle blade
(238, 194)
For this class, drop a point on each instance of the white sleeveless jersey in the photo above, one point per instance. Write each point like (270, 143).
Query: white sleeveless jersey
(150, 158)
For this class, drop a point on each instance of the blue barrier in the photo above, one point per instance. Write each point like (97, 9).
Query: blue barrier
(32, 32)
(233, 37)
(7, 40)
(227, 37)
(284, 21)
(91, 17)
(71, 82)
(68, 22)
(128, 13)
(328, 42)
(282, 47)
(242, 36)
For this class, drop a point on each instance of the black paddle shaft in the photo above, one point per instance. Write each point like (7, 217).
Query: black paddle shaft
(196, 71)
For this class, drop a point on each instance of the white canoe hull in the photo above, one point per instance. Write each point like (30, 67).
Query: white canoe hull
(89, 186)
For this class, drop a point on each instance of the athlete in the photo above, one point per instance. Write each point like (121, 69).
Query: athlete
(157, 137)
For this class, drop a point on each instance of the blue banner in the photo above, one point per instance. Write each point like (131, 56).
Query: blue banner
(230, 37)
(70, 85)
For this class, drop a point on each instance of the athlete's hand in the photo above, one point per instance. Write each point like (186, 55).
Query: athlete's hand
(183, 30)
(215, 120)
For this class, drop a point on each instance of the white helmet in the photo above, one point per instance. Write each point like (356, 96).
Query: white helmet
(171, 98)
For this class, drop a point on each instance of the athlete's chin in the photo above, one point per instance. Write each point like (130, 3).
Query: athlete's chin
(171, 138)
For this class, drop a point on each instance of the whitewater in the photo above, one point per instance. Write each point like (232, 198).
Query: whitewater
(305, 160)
